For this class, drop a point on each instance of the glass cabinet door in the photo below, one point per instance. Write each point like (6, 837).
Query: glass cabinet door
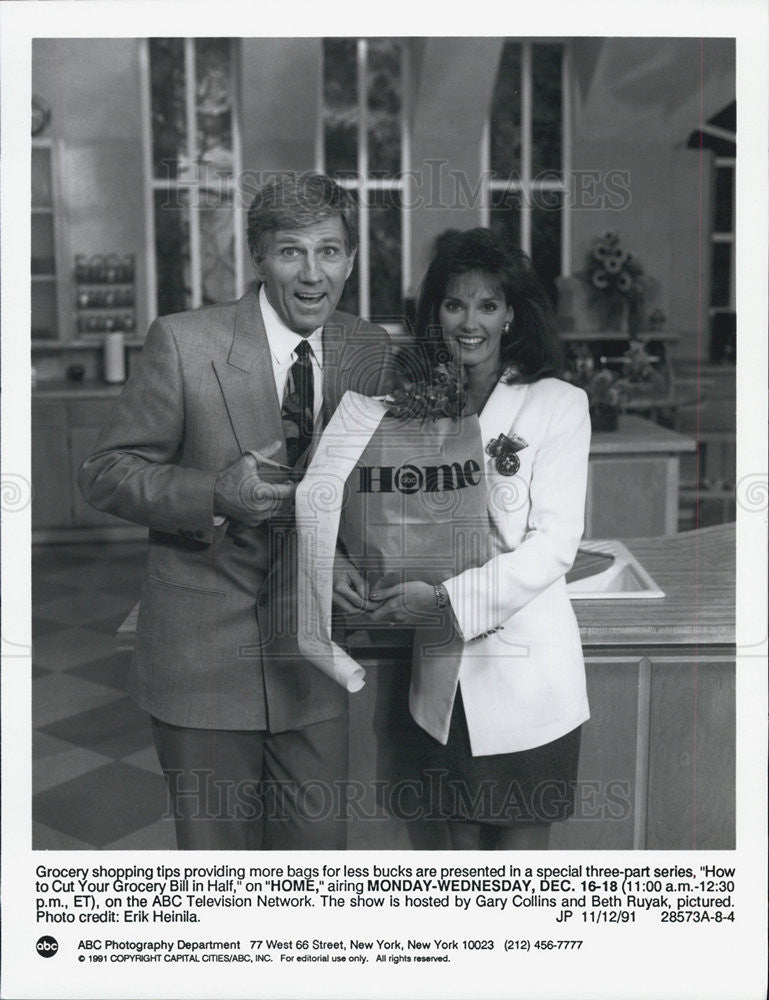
(45, 319)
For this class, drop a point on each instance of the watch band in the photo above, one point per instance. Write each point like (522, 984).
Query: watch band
(441, 597)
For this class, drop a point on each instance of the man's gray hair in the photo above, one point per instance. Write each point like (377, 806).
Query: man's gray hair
(293, 201)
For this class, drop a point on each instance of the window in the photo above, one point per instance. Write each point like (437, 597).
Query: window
(196, 223)
(364, 146)
(719, 135)
(525, 155)
(192, 157)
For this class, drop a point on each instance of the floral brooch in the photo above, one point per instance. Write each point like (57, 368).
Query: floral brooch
(503, 450)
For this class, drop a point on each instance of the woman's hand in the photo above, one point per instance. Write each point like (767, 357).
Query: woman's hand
(404, 604)
(349, 593)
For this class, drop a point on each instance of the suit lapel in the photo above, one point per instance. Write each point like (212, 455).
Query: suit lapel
(335, 334)
(248, 385)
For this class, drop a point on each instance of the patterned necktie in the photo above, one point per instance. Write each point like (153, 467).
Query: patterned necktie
(297, 413)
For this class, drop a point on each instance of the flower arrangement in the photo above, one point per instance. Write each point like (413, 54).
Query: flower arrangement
(605, 390)
(616, 280)
(420, 397)
(641, 372)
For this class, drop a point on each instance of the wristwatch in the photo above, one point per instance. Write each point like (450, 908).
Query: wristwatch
(441, 597)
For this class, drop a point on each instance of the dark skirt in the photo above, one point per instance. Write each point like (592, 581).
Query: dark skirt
(528, 786)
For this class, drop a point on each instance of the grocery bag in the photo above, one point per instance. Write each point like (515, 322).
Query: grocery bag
(416, 506)
(406, 499)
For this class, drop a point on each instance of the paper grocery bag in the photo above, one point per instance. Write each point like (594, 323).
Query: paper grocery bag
(406, 499)
(416, 506)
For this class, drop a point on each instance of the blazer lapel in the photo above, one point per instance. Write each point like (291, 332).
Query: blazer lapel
(501, 410)
(248, 385)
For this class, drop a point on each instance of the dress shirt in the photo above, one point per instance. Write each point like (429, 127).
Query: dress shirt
(283, 343)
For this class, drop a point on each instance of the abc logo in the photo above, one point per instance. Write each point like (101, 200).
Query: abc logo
(47, 946)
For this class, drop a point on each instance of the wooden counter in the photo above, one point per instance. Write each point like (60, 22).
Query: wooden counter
(657, 766)
(69, 390)
(696, 570)
(661, 683)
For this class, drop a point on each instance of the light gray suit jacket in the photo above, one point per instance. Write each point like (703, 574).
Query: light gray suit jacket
(202, 394)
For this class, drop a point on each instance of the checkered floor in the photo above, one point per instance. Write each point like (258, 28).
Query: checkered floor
(96, 780)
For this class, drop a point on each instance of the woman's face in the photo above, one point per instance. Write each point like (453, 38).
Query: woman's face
(472, 314)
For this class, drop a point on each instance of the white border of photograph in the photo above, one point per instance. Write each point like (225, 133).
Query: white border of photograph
(695, 961)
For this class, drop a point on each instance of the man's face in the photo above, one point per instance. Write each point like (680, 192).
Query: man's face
(304, 271)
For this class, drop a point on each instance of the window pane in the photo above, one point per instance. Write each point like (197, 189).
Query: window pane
(720, 146)
(385, 253)
(719, 290)
(546, 109)
(340, 106)
(213, 99)
(169, 129)
(546, 238)
(505, 216)
(217, 251)
(172, 247)
(384, 107)
(724, 200)
(506, 113)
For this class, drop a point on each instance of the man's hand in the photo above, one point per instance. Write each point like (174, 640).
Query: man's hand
(241, 494)
(349, 593)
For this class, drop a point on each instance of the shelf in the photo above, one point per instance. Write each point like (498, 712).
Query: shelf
(80, 344)
(104, 284)
(90, 309)
(42, 209)
(589, 335)
(43, 277)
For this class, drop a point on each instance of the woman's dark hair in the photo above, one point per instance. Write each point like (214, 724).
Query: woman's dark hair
(532, 344)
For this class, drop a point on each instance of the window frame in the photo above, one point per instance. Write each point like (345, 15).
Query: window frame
(363, 184)
(525, 184)
(725, 236)
(226, 186)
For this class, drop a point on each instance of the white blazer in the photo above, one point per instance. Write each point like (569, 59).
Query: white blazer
(522, 684)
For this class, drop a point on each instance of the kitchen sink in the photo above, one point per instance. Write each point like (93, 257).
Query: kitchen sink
(625, 578)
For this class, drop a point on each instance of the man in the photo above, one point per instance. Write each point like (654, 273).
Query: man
(253, 745)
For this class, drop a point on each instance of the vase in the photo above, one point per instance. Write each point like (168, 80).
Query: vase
(604, 418)
(612, 315)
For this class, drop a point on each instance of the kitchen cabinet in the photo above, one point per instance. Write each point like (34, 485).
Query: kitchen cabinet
(51, 481)
(66, 421)
(49, 290)
(633, 480)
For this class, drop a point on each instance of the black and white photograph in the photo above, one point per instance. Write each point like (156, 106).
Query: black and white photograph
(384, 491)
(173, 195)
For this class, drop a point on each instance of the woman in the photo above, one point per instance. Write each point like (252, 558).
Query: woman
(499, 708)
